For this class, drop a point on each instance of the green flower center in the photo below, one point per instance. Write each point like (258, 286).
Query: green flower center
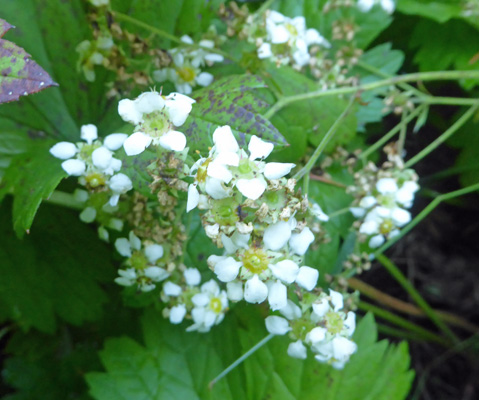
(292, 29)
(187, 74)
(386, 227)
(215, 305)
(255, 260)
(224, 211)
(156, 124)
(334, 322)
(138, 260)
(94, 180)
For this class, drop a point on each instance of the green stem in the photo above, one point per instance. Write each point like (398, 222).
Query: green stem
(449, 101)
(65, 199)
(403, 323)
(260, 344)
(265, 6)
(324, 141)
(123, 17)
(402, 133)
(416, 296)
(425, 76)
(381, 142)
(446, 135)
(390, 331)
(338, 212)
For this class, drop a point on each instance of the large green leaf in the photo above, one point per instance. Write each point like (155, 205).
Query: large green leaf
(174, 364)
(54, 272)
(437, 10)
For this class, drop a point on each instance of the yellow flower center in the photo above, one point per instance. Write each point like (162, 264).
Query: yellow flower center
(187, 74)
(215, 305)
(96, 179)
(255, 260)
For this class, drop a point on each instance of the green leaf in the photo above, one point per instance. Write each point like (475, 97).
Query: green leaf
(49, 275)
(443, 52)
(175, 364)
(437, 10)
(19, 74)
(31, 177)
(11, 144)
(229, 101)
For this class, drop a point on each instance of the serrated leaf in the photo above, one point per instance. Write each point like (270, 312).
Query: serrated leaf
(230, 101)
(19, 74)
(175, 364)
(31, 177)
(49, 275)
(11, 144)
(437, 10)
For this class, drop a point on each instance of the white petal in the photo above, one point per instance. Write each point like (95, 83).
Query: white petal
(277, 296)
(277, 325)
(365, 5)
(74, 167)
(148, 102)
(321, 308)
(376, 241)
(156, 274)
(297, 350)
(255, 291)
(115, 165)
(258, 148)
(200, 299)
(350, 323)
(101, 157)
(204, 79)
(120, 183)
(343, 348)
(357, 212)
(336, 300)
(279, 34)
(227, 158)
(224, 140)
(227, 269)
(177, 313)
(136, 143)
(219, 171)
(369, 227)
(300, 242)
(291, 311)
(212, 230)
(89, 133)
(285, 270)
(234, 291)
(274, 170)
(173, 140)
(307, 277)
(400, 216)
(214, 58)
(386, 185)
(88, 215)
(367, 202)
(128, 112)
(153, 252)
(264, 51)
(277, 235)
(171, 289)
(114, 200)
(135, 241)
(251, 188)
(63, 150)
(114, 141)
(179, 107)
(215, 189)
(123, 247)
(388, 6)
(192, 276)
(318, 213)
(193, 198)
(316, 335)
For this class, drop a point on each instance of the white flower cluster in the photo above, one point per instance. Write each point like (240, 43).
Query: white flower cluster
(383, 205)
(94, 162)
(155, 118)
(187, 63)
(322, 325)
(366, 5)
(283, 40)
(206, 304)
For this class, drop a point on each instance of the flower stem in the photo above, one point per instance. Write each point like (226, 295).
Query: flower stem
(126, 18)
(338, 212)
(425, 76)
(446, 135)
(324, 141)
(264, 6)
(365, 154)
(416, 296)
(403, 323)
(257, 346)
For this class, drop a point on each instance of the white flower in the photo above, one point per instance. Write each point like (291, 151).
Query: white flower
(316, 335)
(89, 133)
(258, 148)
(114, 141)
(172, 289)
(251, 188)
(153, 252)
(299, 242)
(127, 277)
(173, 140)
(192, 276)
(125, 246)
(136, 143)
(277, 296)
(277, 235)
(386, 186)
(119, 184)
(177, 313)
(285, 270)
(264, 51)
(277, 325)
(74, 167)
(275, 170)
(227, 269)
(376, 241)
(255, 291)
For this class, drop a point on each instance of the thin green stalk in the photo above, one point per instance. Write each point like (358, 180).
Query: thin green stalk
(381, 142)
(337, 213)
(264, 6)
(403, 323)
(241, 359)
(65, 199)
(424, 213)
(396, 273)
(425, 76)
(402, 133)
(446, 135)
(123, 17)
(448, 101)
(399, 333)
(324, 141)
